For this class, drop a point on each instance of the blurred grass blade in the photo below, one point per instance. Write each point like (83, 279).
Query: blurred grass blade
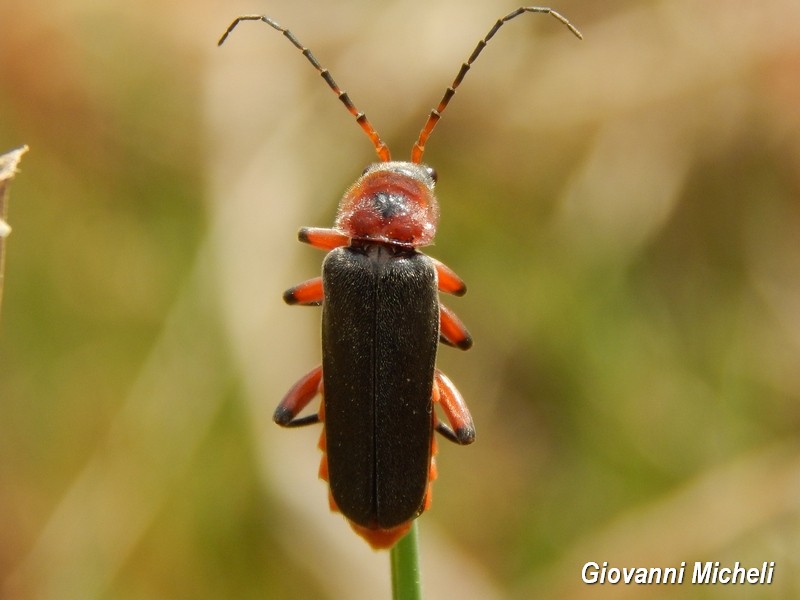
(8, 168)
(406, 582)
(143, 459)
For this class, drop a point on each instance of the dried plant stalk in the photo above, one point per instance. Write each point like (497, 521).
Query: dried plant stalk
(8, 168)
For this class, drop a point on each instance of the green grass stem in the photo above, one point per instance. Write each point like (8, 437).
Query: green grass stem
(406, 580)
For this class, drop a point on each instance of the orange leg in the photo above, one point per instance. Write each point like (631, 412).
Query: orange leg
(448, 280)
(461, 430)
(433, 474)
(452, 330)
(322, 238)
(297, 398)
(308, 293)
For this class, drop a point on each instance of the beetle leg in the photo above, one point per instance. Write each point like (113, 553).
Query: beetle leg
(448, 280)
(461, 429)
(297, 398)
(308, 293)
(323, 238)
(452, 331)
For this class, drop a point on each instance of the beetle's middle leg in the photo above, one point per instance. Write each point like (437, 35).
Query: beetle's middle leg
(452, 331)
(308, 293)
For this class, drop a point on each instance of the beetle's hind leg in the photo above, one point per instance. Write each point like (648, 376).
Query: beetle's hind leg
(297, 398)
(461, 429)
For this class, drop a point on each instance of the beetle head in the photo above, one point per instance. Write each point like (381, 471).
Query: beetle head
(392, 202)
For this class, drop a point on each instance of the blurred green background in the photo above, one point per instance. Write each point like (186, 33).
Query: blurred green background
(624, 210)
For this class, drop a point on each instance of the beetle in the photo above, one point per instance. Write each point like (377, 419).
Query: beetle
(382, 321)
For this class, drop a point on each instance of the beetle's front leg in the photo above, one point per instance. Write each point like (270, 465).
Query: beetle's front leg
(323, 238)
(448, 280)
(297, 398)
(461, 429)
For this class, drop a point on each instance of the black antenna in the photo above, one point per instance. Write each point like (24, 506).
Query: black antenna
(436, 113)
(381, 148)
